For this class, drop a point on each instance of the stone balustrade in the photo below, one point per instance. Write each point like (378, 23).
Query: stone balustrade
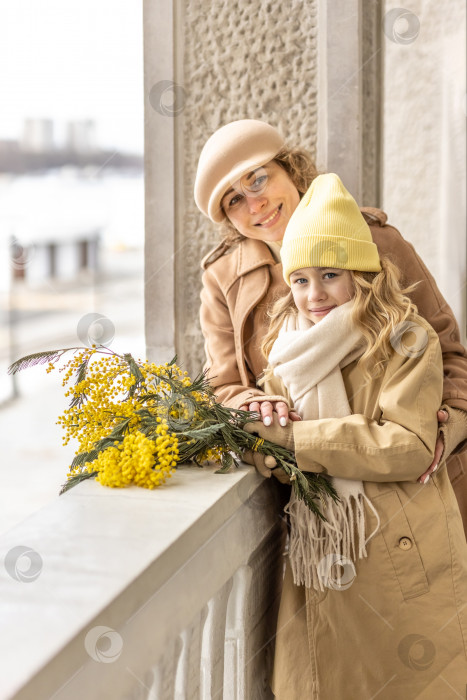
(144, 595)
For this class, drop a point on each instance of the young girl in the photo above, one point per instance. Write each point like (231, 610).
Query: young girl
(374, 602)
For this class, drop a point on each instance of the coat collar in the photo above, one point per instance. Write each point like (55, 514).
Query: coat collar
(250, 255)
(374, 216)
(253, 254)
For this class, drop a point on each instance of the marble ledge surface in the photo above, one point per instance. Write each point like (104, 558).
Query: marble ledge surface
(93, 543)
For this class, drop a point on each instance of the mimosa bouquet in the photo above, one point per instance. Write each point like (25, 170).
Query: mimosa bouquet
(136, 421)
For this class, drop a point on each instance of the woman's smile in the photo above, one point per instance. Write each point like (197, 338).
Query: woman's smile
(271, 219)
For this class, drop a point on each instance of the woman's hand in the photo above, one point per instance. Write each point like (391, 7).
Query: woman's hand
(443, 417)
(267, 409)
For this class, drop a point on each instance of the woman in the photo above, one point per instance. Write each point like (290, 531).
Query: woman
(250, 182)
(377, 603)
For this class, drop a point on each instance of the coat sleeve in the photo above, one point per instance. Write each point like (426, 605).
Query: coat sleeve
(397, 447)
(221, 362)
(433, 307)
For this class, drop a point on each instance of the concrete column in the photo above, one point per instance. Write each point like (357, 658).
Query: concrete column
(160, 126)
(340, 91)
(349, 78)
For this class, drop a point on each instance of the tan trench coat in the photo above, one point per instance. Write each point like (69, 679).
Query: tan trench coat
(234, 284)
(398, 629)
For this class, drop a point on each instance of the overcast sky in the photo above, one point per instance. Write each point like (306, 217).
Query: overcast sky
(73, 59)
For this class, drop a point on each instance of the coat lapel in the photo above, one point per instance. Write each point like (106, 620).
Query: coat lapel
(253, 271)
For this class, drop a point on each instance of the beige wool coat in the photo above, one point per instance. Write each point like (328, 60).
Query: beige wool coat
(398, 629)
(237, 281)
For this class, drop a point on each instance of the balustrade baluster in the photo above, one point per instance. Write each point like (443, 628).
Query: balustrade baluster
(212, 654)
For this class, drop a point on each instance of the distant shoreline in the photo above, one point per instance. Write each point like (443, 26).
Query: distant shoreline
(17, 161)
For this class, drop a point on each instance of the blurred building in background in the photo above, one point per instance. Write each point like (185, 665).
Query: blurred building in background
(39, 149)
(81, 136)
(38, 136)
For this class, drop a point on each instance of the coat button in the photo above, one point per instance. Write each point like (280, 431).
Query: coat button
(405, 543)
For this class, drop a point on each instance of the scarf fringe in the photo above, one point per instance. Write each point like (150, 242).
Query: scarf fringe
(318, 548)
(309, 359)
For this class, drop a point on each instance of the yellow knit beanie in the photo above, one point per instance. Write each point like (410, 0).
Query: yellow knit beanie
(327, 229)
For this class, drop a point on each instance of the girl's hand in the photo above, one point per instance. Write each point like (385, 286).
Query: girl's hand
(443, 417)
(267, 409)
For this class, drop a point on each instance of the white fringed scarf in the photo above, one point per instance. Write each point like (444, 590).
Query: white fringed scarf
(309, 358)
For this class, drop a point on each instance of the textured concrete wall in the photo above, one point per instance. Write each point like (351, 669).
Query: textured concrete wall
(239, 61)
(424, 110)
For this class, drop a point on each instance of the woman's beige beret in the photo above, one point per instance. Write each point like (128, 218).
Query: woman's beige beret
(232, 151)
